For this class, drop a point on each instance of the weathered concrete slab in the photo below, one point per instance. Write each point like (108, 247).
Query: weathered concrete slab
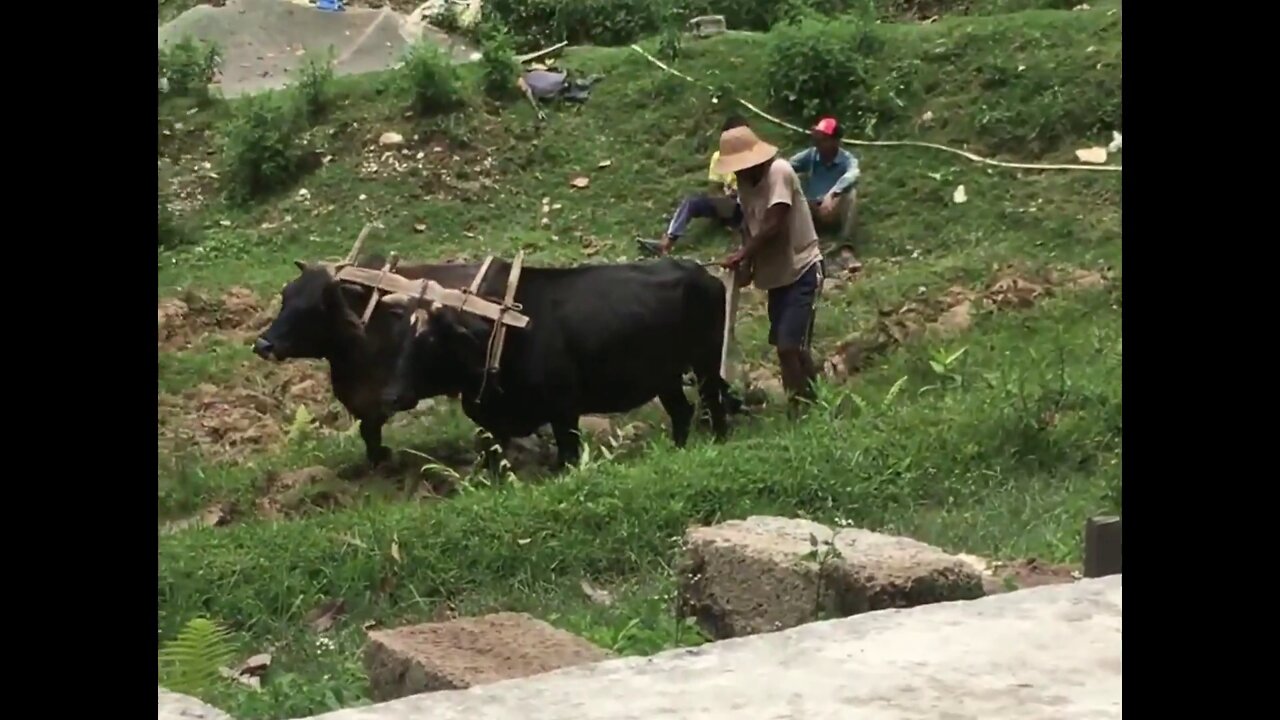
(1046, 652)
(176, 706)
(763, 574)
(469, 651)
(263, 41)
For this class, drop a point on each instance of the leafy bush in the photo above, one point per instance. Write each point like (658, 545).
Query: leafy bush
(188, 66)
(433, 79)
(261, 149)
(448, 18)
(1023, 84)
(499, 66)
(821, 67)
(315, 87)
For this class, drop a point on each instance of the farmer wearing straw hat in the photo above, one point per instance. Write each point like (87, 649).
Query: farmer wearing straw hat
(781, 250)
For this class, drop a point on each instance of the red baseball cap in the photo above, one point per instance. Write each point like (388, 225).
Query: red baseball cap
(827, 126)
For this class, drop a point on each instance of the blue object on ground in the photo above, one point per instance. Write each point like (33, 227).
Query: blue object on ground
(330, 5)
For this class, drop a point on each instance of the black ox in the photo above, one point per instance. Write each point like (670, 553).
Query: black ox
(601, 339)
(320, 319)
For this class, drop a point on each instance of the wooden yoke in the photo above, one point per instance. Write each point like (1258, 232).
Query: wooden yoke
(499, 335)
(414, 292)
(390, 267)
(432, 292)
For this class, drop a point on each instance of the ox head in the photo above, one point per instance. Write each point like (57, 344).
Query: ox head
(313, 310)
(445, 350)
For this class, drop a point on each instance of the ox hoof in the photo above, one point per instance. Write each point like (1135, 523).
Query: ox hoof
(378, 456)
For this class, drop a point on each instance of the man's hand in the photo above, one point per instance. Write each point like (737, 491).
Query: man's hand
(731, 262)
(828, 204)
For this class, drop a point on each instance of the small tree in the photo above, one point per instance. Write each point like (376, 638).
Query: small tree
(432, 78)
(315, 86)
(260, 149)
(189, 66)
(500, 65)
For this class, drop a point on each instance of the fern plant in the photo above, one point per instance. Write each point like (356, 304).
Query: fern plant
(191, 663)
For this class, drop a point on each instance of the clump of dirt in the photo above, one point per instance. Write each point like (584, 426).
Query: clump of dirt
(215, 515)
(1027, 573)
(296, 492)
(1000, 577)
(1011, 288)
(238, 314)
(234, 421)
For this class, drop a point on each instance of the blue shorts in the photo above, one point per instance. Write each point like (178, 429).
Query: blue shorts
(792, 308)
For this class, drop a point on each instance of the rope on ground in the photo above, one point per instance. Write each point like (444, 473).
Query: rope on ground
(885, 143)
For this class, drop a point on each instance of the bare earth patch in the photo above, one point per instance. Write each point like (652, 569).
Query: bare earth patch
(999, 576)
(184, 321)
(1012, 288)
(237, 420)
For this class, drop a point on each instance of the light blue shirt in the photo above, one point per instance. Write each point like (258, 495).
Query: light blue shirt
(819, 178)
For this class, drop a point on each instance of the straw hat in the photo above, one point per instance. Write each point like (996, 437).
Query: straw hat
(741, 149)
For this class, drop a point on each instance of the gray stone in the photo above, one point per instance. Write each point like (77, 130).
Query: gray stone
(1102, 546)
(763, 574)
(469, 651)
(1047, 652)
(176, 706)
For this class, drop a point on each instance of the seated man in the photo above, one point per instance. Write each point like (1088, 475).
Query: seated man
(719, 201)
(829, 173)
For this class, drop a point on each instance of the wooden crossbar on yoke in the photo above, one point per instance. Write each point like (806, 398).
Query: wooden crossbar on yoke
(385, 281)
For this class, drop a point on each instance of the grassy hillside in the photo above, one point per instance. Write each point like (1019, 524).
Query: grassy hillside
(974, 393)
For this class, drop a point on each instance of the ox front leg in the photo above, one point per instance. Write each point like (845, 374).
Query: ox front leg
(371, 432)
(680, 410)
(568, 442)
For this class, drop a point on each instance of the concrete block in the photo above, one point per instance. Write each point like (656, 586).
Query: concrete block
(763, 574)
(176, 706)
(1047, 653)
(467, 652)
(1102, 545)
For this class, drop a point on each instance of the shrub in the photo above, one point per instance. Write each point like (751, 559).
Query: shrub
(499, 66)
(260, 149)
(1024, 84)
(433, 79)
(821, 67)
(189, 66)
(315, 87)
(448, 18)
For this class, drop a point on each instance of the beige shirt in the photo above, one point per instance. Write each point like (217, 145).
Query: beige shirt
(784, 258)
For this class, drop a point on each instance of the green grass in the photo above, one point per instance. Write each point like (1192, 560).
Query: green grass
(1003, 452)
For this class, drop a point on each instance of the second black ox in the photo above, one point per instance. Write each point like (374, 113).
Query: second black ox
(601, 339)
